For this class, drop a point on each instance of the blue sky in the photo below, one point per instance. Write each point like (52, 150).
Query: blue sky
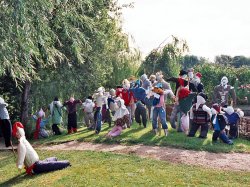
(210, 27)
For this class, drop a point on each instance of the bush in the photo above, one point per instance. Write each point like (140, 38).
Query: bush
(212, 74)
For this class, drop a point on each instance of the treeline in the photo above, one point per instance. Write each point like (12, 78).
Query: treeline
(170, 59)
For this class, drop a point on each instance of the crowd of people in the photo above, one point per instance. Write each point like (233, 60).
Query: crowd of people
(142, 100)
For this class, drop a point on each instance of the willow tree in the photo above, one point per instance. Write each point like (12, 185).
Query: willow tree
(165, 58)
(39, 35)
(107, 60)
(81, 38)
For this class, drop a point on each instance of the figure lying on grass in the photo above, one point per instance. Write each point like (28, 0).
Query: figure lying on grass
(28, 157)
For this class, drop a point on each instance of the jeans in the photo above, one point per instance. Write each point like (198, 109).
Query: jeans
(98, 119)
(130, 114)
(174, 113)
(222, 135)
(159, 111)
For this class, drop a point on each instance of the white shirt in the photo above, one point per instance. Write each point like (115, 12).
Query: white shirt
(26, 154)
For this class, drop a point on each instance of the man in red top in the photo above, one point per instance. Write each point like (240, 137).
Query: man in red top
(180, 82)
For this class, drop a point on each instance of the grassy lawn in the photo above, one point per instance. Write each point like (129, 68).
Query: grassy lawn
(140, 135)
(107, 169)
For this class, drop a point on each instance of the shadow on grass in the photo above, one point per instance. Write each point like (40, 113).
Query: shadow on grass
(15, 180)
(130, 131)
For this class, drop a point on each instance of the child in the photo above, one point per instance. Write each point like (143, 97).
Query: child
(28, 157)
(5, 123)
(219, 121)
(56, 113)
(88, 109)
(121, 119)
(200, 115)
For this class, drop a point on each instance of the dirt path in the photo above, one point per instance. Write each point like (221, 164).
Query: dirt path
(223, 161)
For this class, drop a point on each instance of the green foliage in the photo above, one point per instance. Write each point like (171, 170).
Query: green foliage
(236, 61)
(165, 59)
(189, 61)
(212, 74)
(27, 41)
(11, 95)
(64, 47)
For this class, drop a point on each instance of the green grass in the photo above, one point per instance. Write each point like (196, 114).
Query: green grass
(108, 169)
(139, 135)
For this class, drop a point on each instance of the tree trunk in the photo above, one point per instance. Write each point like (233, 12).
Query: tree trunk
(25, 103)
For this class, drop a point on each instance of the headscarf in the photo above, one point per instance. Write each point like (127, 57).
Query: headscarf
(201, 99)
(121, 111)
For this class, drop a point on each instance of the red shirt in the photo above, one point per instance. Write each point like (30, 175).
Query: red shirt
(126, 95)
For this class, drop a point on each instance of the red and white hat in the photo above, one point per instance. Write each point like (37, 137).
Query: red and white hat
(198, 74)
(15, 127)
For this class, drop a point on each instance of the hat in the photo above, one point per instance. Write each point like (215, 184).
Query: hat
(183, 72)
(199, 75)
(15, 127)
(132, 78)
(100, 89)
(159, 75)
(144, 77)
(152, 77)
(190, 70)
(158, 90)
(203, 95)
(41, 113)
(216, 107)
(90, 97)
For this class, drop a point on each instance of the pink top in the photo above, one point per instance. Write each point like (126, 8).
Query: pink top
(161, 103)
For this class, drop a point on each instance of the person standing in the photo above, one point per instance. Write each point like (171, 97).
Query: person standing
(222, 92)
(56, 113)
(5, 123)
(159, 107)
(72, 116)
(180, 82)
